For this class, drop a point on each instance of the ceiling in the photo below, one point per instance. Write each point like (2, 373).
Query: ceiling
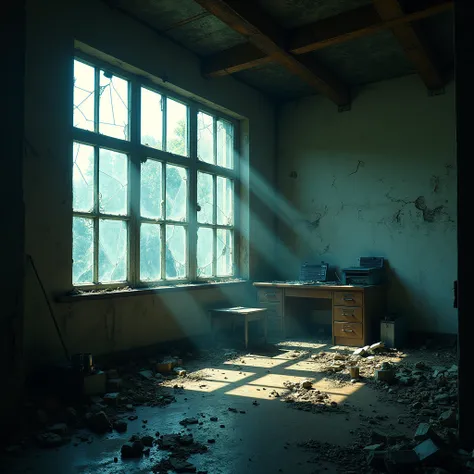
(424, 46)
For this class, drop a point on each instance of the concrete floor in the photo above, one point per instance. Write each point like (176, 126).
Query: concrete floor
(251, 443)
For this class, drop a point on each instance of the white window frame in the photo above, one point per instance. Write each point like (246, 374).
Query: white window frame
(137, 154)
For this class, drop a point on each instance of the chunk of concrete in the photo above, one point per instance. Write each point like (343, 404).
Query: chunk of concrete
(307, 384)
(60, 429)
(49, 440)
(146, 374)
(378, 346)
(426, 450)
(448, 419)
(376, 460)
(120, 426)
(95, 384)
(401, 461)
(385, 375)
(98, 422)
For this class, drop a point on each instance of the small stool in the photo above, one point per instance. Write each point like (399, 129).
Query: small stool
(247, 314)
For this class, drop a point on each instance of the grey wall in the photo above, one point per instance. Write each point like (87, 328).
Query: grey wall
(116, 324)
(379, 180)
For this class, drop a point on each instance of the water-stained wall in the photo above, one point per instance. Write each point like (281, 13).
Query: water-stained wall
(379, 180)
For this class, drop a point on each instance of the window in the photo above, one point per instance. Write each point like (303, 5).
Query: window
(154, 184)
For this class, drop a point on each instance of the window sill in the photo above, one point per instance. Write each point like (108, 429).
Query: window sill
(98, 295)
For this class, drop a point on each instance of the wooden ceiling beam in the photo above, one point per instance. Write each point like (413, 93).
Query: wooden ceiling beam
(412, 42)
(344, 27)
(246, 19)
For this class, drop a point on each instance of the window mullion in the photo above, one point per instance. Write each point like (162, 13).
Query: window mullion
(164, 122)
(134, 188)
(192, 193)
(214, 221)
(95, 276)
(163, 225)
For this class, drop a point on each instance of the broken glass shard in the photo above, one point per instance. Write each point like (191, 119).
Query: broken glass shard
(113, 182)
(224, 253)
(151, 124)
(205, 246)
(176, 127)
(82, 250)
(112, 250)
(176, 193)
(113, 106)
(225, 144)
(150, 252)
(150, 190)
(205, 198)
(225, 201)
(175, 252)
(83, 178)
(83, 116)
(205, 137)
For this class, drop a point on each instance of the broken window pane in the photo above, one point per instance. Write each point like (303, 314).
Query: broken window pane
(150, 252)
(151, 119)
(205, 198)
(175, 251)
(83, 116)
(176, 127)
(205, 248)
(150, 190)
(176, 193)
(224, 253)
(82, 250)
(83, 178)
(225, 201)
(113, 182)
(112, 250)
(205, 137)
(113, 106)
(225, 144)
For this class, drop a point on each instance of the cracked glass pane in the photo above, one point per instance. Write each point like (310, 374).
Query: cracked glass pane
(175, 251)
(151, 119)
(113, 106)
(225, 201)
(205, 246)
(150, 189)
(112, 250)
(224, 253)
(176, 193)
(82, 250)
(83, 178)
(205, 138)
(113, 182)
(225, 144)
(83, 116)
(205, 198)
(176, 127)
(150, 252)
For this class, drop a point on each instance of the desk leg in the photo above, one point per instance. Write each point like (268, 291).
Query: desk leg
(213, 333)
(246, 332)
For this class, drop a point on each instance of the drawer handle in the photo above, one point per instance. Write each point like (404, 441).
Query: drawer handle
(348, 314)
(271, 294)
(347, 330)
(348, 298)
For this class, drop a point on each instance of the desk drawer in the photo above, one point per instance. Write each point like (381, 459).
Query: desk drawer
(348, 330)
(308, 293)
(348, 313)
(274, 310)
(270, 295)
(347, 298)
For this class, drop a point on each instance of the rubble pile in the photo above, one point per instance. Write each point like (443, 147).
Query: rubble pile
(180, 447)
(302, 396)
(392, 452)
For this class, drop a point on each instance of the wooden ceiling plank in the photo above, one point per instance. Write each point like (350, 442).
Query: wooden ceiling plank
(414, 46)
(344, 27)
(246, 19)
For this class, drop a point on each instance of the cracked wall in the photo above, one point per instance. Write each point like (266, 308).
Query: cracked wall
(379, 180)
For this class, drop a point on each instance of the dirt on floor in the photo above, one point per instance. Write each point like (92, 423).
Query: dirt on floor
(314, 377)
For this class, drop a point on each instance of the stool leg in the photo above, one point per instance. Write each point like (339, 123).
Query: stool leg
(246, 333)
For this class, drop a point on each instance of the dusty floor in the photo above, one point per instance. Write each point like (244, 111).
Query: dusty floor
(265, 438)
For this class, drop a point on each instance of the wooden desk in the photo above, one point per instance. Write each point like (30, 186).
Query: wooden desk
(356, 310)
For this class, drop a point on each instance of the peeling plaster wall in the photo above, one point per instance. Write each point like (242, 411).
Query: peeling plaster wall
(120, 323)
(379, 180)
